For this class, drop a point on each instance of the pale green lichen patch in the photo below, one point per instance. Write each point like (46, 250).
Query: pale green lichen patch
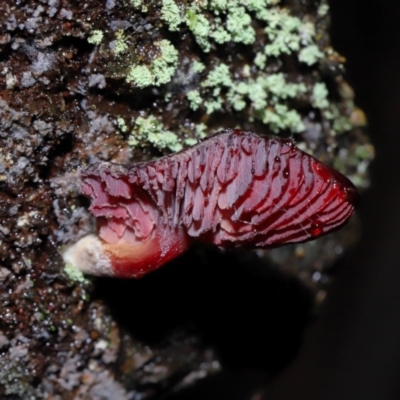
(122, 124)
(190, 141)
(282, 31)
(201, 130)
(120, 45)
(140, 4)
(310, 54)
(266, 95)
(320, 95)
(323, 9)
(170, 13)
(194, 98)
(151, 130)
(159, 72)
(164, 67)
(74, 274)
(281, 117)
(235, 25)
(96, 37)
(238, 24)
(288, 34)
(340, 121)
(199, 26)
(140, 75)
(198, 67)
(359, 159)
(260, 60)
(214, 84)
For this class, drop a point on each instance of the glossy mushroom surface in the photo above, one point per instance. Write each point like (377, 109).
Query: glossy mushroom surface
(233, 189)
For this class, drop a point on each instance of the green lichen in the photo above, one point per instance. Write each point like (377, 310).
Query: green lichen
(74, 274)
(217, 77)
(122, 124)
(340, 121)
(198, 67)
(268, 95)
(164, 66)
(199, 26)
(359, 159)
(323, 10)
(216, 80)
(310, 54)
(341, 124)
(260, 60)
(280, 117)
(221, 35)
(201, 130)
(320, 95)
(140, 4)
(288, 34)
(170, 14)
(235, 26)
(159, 72)
(283, 32)
(194, 99)
(140, 75)
(236, 96)
(151, 130)
(238, 24)
(120, 45)
(219, 5)
(96, 37)
(190, 141)
(364, 152)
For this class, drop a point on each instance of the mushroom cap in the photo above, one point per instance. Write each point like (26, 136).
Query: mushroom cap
(233, 189)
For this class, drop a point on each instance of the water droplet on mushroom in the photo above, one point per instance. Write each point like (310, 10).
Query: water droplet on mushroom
(316, 229)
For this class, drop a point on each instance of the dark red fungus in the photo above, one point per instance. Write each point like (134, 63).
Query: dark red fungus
(233, 189)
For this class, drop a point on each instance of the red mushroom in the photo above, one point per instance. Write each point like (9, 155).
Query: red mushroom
(233, 189)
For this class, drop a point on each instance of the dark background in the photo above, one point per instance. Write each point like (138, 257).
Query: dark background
(353, 350)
